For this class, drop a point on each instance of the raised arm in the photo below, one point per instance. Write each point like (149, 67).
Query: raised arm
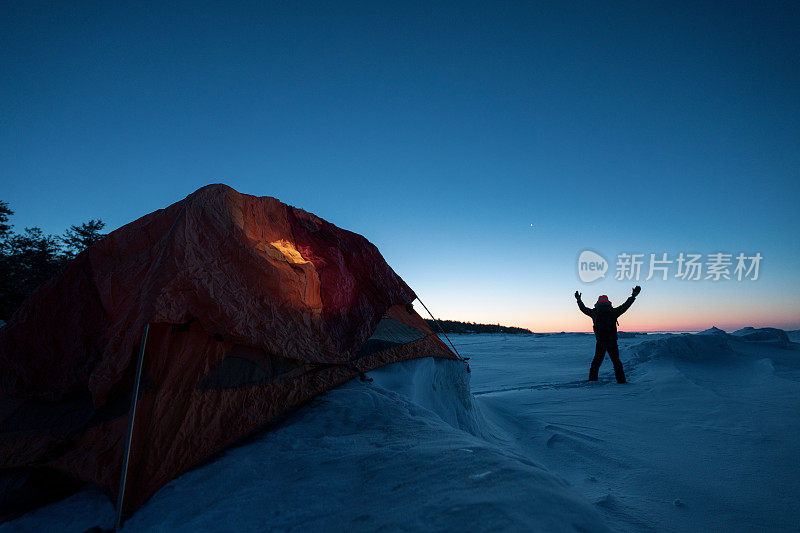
(629, 302)
(586, 311)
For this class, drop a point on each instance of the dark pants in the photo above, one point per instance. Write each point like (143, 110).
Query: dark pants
(599, 354)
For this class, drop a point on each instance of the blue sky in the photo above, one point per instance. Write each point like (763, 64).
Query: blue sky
(440, 131)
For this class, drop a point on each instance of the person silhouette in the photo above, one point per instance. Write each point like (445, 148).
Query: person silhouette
(604, 319)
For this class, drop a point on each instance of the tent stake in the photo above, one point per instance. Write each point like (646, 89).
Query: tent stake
(132, 417)
(440, 328)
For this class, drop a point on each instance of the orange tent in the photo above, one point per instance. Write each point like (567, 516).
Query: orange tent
(254, 308)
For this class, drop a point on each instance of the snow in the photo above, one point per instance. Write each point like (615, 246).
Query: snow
(704, 437)
(775, 335)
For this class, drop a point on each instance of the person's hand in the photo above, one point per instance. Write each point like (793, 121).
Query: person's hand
(636, 290)
(577, 295)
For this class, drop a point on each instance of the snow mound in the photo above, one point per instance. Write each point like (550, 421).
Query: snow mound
(701, 347)
(771, 335)
(712, 344)
(713, 330)
(440, 385)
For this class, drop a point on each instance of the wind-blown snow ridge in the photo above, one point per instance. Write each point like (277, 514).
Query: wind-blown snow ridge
(693, 347)
(712, 344)
(775, 335)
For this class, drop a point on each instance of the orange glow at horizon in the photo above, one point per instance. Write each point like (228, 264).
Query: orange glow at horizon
(645, 319)
(545, 302)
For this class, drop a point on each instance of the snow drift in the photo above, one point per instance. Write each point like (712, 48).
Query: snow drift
(710, 345)
(403, 452)
(773, 335)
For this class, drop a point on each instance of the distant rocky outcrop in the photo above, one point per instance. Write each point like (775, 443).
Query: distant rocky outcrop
(629, 334)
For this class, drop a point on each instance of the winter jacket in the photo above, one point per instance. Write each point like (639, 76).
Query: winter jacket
(604, 318)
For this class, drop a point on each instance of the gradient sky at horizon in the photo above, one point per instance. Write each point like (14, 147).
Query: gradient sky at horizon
(441, 132)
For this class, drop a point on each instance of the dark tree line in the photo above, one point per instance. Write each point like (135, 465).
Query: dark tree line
(454, 326)
(32, 257)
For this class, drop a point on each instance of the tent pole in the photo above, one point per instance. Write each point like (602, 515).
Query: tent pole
(440, 328)
(132, 417)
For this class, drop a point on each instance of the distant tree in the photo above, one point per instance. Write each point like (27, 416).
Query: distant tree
(77, 238)
(5, 261)
(454, 326)
(29, 259)
(5, 212)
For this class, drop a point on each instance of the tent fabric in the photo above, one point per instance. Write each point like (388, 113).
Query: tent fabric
(255, 307)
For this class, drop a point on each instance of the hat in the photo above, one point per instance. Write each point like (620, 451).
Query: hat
(602, 299)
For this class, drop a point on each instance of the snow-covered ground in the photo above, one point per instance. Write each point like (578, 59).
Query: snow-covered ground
(706, 436)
